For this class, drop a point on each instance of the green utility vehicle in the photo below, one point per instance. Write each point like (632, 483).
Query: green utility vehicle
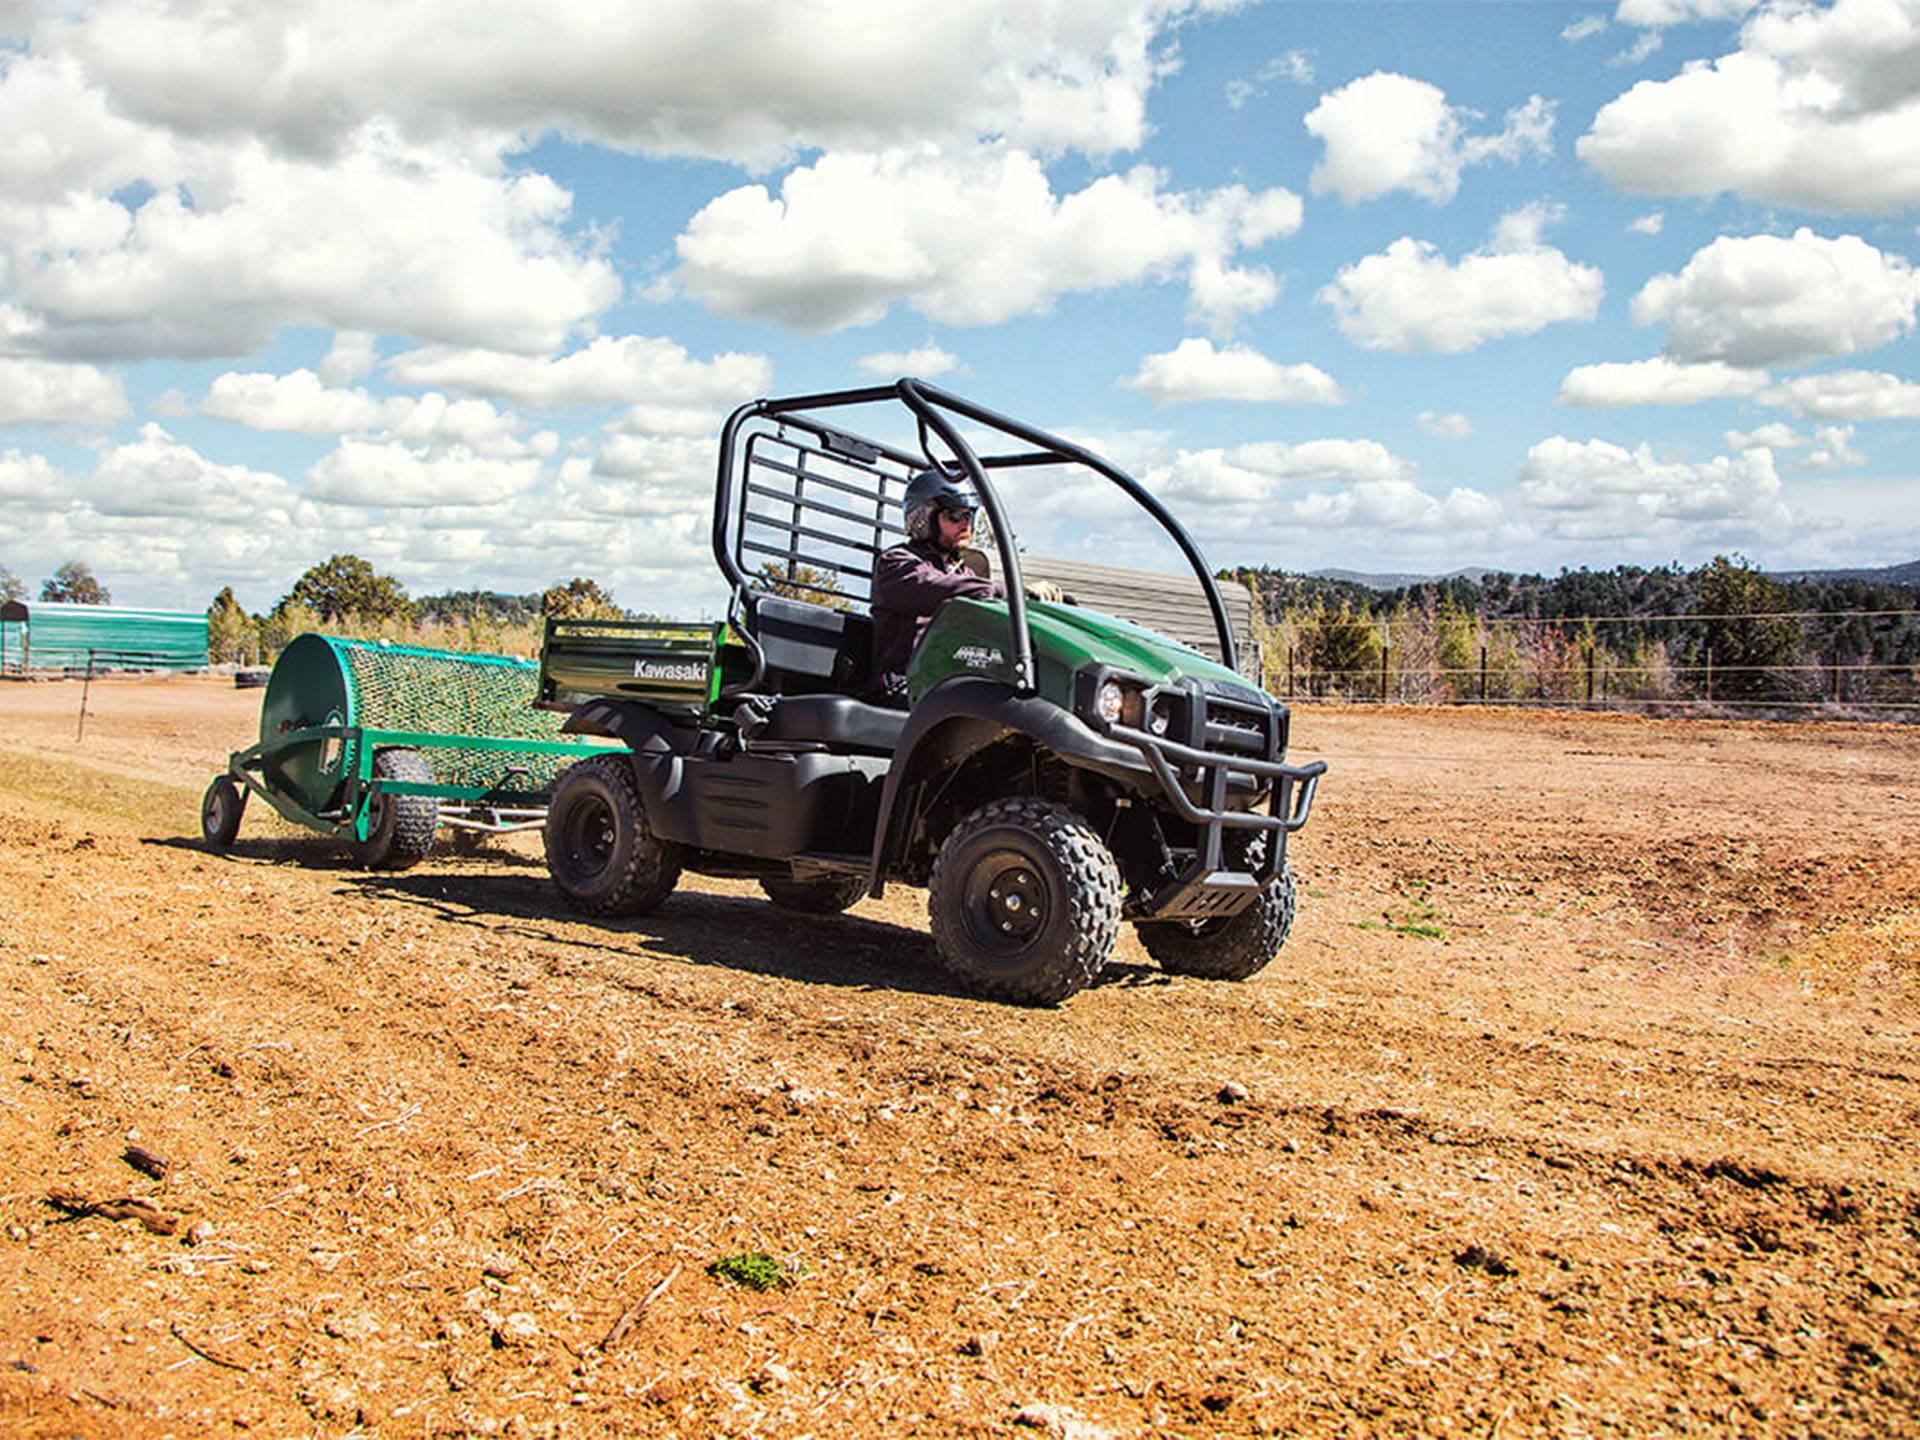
(1059, 771)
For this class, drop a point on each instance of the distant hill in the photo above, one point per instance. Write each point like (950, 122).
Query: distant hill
(1474, 573)
(1907, 574)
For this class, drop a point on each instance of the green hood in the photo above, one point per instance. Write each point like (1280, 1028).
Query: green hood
(971, 637)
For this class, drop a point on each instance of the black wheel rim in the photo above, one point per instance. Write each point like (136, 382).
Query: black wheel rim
(213, 812)
(589, 836)
(1006, 904)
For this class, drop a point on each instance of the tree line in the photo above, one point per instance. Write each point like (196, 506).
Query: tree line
(347, 595)
(1723, 632)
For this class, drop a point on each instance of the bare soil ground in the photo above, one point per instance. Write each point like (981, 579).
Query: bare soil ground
(1583, 1101)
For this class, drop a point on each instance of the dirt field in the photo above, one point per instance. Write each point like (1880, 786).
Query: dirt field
(1583, 1101)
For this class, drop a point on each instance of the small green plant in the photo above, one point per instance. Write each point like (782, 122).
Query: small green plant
(1419, 916)
(754, 1269)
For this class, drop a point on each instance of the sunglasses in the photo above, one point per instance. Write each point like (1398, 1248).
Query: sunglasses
(958, 515)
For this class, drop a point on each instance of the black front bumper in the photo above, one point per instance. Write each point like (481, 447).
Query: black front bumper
(1203, 769)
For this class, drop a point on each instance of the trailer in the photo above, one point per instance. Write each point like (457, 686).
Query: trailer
(381, 745)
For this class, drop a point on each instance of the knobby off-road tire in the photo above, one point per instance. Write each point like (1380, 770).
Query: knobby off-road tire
(827, 896)
(1233, 948)
(400, 827)
(601, 852)
(220, 811)
(1025, 901)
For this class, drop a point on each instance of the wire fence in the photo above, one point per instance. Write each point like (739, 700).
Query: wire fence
(1861, 664)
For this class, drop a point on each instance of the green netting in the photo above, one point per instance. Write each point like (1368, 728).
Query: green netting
(442, 692)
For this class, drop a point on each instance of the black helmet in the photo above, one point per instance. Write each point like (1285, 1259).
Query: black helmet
(932, 491)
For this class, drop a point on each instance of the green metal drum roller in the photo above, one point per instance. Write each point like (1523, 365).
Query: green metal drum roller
(382, 743)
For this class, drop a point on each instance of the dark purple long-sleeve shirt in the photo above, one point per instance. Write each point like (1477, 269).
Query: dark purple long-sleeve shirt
(910, 582)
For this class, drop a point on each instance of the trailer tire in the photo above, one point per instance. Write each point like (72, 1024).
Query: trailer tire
(601, 852)
(399, 827)
(1025, 900)
(220, 811)
(828, 896)
(1235, 947)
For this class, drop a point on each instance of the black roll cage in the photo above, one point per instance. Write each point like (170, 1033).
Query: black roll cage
(933, 410)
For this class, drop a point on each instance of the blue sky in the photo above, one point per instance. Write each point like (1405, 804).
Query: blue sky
(1398, 287)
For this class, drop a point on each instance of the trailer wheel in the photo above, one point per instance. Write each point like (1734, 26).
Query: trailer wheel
(1233, 948)
(220, 811)
(1025, 900)
(827, 896)
(399, 827)
(601, 852)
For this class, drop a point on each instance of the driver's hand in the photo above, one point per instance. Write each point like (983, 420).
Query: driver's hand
(1044, 590)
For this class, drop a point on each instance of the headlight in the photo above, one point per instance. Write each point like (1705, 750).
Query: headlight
(1110, 701)
(1161, 719)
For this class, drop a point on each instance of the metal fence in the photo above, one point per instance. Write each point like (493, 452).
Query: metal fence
(1862, 664)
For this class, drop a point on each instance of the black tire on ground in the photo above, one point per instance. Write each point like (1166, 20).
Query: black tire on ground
(1025, 900)
(250, 679)
(827, 896)
(601, 852)
(400, 827)
(1233, 948)
(220, 811)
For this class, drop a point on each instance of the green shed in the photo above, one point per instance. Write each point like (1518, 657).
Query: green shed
(42, 637)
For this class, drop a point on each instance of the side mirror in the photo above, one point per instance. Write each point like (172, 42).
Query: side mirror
(975, 562)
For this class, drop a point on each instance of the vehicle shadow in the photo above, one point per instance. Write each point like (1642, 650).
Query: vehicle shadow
(320, 853)
(730, 932)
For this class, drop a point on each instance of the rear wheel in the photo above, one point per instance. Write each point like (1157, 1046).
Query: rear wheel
(1025, 900)
(220, 811)
(601, 852)
(1232, 948)
(399, 827)
(828, 896)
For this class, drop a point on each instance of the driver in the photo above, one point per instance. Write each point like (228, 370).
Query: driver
(913, 580)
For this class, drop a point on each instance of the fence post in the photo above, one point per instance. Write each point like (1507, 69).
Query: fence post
(1290, 690)
(1709, 674)
(86, 688)
(1483, 674)
(1590, 675)
(1383, 670)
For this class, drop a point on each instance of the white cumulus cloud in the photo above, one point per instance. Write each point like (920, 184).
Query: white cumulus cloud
(1412, 298)
(925, 362)
(159, 476)
(1387, 132)
(1772, 436)
(1820, 107)
(1597, 490)
(969, 240)
(627, 369)
(1450, 425)
(1773, 300)
(1658, 381)
(46, 392)
(1658, 13)
(749, 81)
(1847, 395)
(1194, 370)
(1262, 470)
(392, 474)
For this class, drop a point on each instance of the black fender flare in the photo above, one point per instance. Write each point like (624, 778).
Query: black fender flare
(655, 745)
(962, 716)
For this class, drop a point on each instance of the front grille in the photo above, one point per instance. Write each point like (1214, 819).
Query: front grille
(1237, 727)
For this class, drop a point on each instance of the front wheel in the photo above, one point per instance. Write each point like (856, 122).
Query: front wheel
(220, 811)
(1233, 948)
(1025, 900)
(601, 852)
